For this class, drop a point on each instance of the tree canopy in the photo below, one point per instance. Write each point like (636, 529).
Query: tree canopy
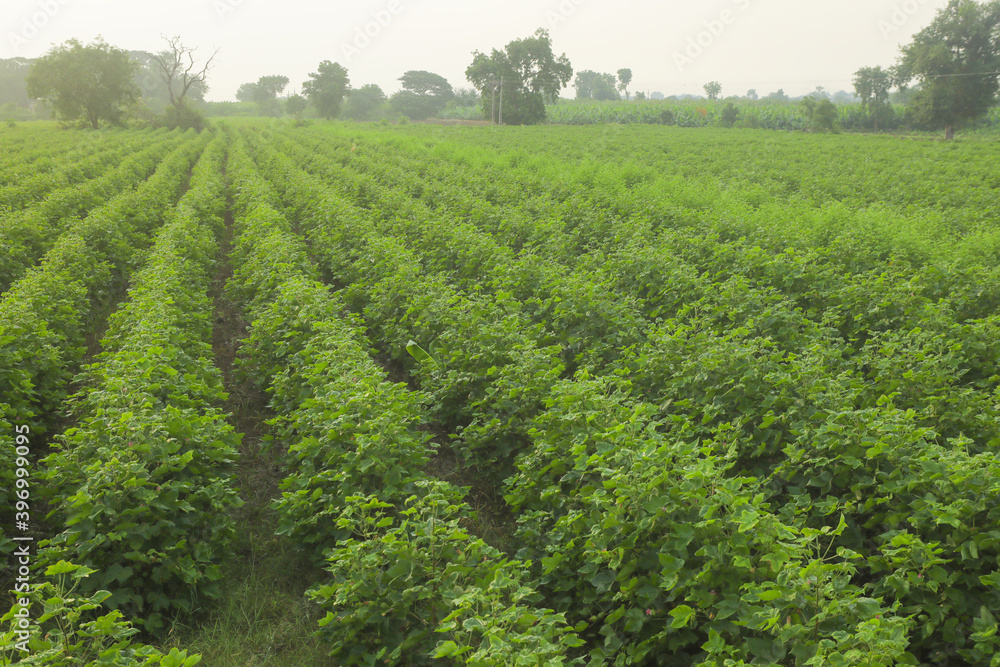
(956, 59)
(518, 80)
(92, 83)
(424, 94)
(326, 88)
(364, 103)
(713, 89)
(624, 79)
(296, 105)
(591, 85)
(872, 86)
(265, 93)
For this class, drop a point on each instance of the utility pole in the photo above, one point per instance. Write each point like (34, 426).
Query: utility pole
(493, 104)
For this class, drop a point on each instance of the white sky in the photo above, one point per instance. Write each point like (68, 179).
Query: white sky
(762, 44)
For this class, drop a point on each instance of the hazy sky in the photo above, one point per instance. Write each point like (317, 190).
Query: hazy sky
(674, 46)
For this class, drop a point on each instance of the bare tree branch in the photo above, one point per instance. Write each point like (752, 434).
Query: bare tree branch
(173, 70)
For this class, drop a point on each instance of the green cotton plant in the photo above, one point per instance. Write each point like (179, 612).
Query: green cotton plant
(355, 432)
(27, 235)
(764, 331)
(142, 486)
(46, 314)
(74, 628)
(352, 434)
(412, 583)
(655, 544)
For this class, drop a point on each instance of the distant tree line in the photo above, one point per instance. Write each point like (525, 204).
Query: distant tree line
(948, 75)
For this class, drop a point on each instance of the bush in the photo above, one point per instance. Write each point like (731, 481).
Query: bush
(70, 630)
(730, 114)
(822, 114)
(184, 117)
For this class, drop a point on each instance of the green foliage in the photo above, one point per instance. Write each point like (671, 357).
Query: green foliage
(296, 105)
(326, 88)
(773, 365)
(424, 95)
(956, 59)
(44, 315)
(822, 114)
(91, 84)
(74, 629)
(141, 485)
(183, 117)
(743, 410)
(529, 74)
(418, 585)
(265, 93)
(591, 85)
(730, 115)
(656, 545)
(624, 79)
(872, 85)
(365, 103)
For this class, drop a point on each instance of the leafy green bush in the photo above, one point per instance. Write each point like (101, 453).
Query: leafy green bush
(420, 586)
(184, 117)
(143, 484)
(72, 630)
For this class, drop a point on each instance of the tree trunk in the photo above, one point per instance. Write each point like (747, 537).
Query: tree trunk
(949, 132)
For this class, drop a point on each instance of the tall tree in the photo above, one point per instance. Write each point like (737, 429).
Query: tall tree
(180, 72)
(269, 87)
(624, 79)
(822, 114)
(92, 83)
(154, 91)
(872, 86)
(247, 92)
(326, 88)
(424, 94)
(591, 85)
(427, 83)
(266, 91)
(296, 105)
(956, 59)
(713, 89)
(524, 76)
(364, 103)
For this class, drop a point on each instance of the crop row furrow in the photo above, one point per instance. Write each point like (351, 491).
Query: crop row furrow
(47, 316)
(142, 488)
(26, 235)
(79, 166)
(355, 492)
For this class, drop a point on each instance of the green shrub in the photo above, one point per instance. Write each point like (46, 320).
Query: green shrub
(74, 629)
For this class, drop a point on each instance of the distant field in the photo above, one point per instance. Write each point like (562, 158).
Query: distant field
(426, 394)
(758, 114)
